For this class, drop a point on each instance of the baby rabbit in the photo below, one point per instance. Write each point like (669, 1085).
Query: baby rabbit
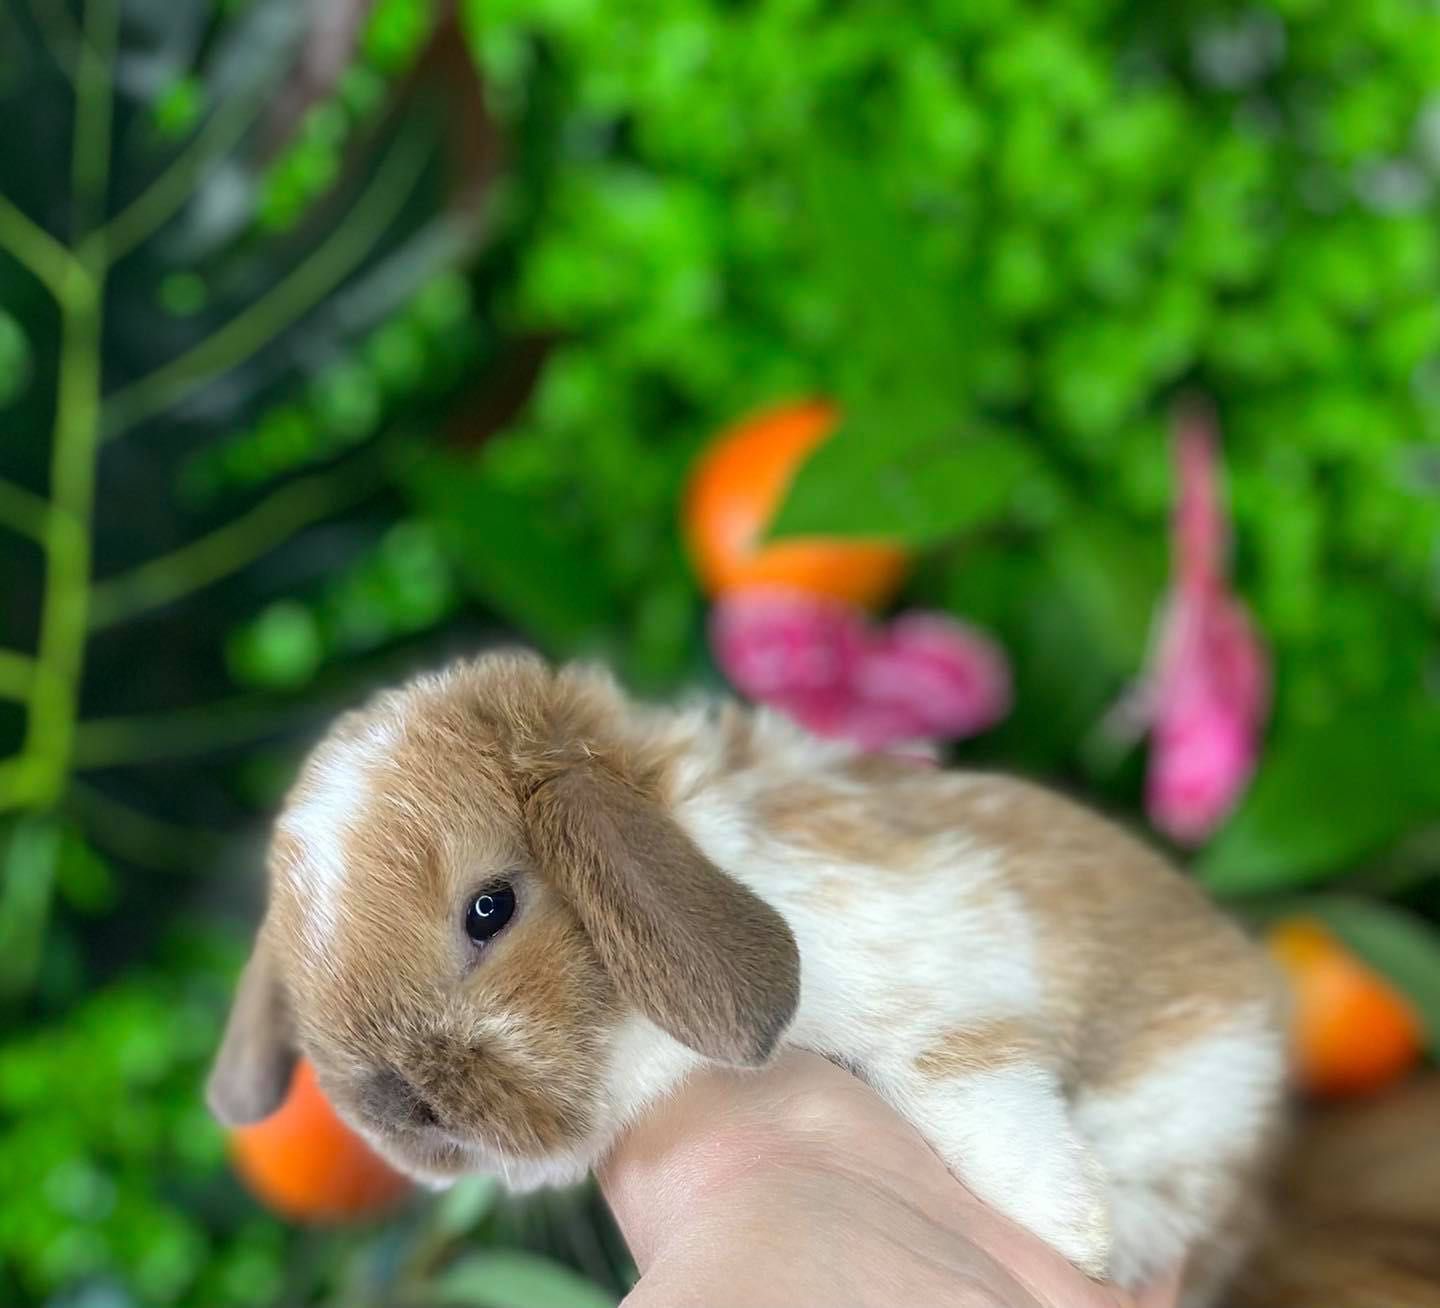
(509, 910)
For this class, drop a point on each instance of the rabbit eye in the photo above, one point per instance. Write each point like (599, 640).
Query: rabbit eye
(489, 912)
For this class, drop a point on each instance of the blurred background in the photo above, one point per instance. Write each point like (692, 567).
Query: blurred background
(1102, 339)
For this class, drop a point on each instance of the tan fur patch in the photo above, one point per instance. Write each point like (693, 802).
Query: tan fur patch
(1136, 961)
(737, 739)
(986, 1048)
(854, 825)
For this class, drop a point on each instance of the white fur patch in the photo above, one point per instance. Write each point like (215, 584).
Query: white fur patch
(1216, 1093)
(945, 944)
(339, 785)
(1168, 1142)
(646, 1065)
(1007, 1135)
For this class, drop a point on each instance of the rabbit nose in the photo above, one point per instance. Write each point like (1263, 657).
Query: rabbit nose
(394, 1100)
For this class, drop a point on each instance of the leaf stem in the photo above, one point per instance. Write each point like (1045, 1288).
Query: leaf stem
(165, 195)
(17, 675)
(285, 303)
(185, 733)
(241, 720)
(58, 32)
(67, 541)
(35, 249)
(229, 548)
(23, 511)
(140, 837)
(20, 783)
(31, 862)
(94, 108)
(55, 690)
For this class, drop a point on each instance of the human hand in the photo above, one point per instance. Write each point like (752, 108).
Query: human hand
(799, 1186)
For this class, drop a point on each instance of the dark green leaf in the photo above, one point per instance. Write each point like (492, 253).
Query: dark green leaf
(865, 244)
(1115, 577)
(29, 860)
(914, 485)
(282, 648)
(504, 1279)
(465, 1204)
(907, 463)
(1325, 797)
(511, 556)
(1401, 946)
(84, 878)
(15, 360)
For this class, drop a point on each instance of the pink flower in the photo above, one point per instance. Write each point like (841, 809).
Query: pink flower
(1208, 689)
(921, 678)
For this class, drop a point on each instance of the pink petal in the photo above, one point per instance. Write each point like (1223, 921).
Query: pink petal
(775, 643)
(1199, 767)
(948, 675)
(1212, 695)
(1209, 684)
(819, 661)
(1200, 532)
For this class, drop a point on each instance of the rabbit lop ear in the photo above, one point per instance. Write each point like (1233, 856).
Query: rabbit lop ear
(252, 1071)
(694, 950)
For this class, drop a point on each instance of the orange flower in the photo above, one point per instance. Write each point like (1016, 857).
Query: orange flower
(1352, 1033)
(735, 491)
(304, 1162)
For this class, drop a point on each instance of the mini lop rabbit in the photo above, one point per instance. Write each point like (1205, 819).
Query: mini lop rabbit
(509, 909)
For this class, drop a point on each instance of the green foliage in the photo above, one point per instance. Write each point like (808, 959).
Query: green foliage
(513, 556)
(922, 490)
(112, 1159)
(418, 351)
(394, 35)
(45, 861)
(403, 586)
(1329, 795)
(151, 300)
(14, 359)
(1006, 240)
(178, 107)
(514, 1280)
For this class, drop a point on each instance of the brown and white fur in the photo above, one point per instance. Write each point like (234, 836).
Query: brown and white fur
(1084, 1040)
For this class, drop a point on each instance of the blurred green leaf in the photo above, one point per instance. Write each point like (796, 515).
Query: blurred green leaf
(1325, 797)
(178, 107)
(282, 648)
(919, 487)
(395, 32)
(1398, 944)
(28, 861)
(183, 293)
(1115, 577)
(863, 241)
(83, 877)
(465, 1205)
(510, 554)
(514, 1280)
(15, 361)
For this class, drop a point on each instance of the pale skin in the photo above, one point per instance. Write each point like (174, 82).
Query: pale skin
(798, 1185)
